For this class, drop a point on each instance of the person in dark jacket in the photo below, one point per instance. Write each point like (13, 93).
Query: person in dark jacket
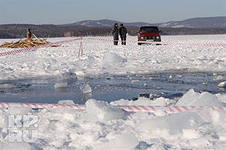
(123, 32)
(29, 34)
(115, 34)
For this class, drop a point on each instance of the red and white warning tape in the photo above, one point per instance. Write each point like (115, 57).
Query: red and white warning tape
(42, 106)
(170, 109)
(132, 108)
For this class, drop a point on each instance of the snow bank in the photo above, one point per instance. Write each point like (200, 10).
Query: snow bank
(103, 126)
(191, 98)
(172, 125)
(112, 61)
(16, 146)
(125, 141)
(19, 110)
(100, 57)
(102, 111)
(222, 98)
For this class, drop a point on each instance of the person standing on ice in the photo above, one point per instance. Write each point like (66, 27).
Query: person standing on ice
(115, 34)
(29, 34)
(122, 33)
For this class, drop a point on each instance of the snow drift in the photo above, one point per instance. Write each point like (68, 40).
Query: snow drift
(104, 126)
(103, 56)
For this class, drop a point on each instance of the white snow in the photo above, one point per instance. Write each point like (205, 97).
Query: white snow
(102, 111)
(191, 98)
(112, 61)
(222, 84)
(104, 126)
(198, 99)
(60, 85)
(144, 102)
(16, 146)
(66, 102)
(190, 53)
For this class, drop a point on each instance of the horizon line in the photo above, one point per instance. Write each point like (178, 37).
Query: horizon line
(109, 20)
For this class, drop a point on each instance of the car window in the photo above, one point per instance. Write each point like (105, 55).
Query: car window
(149, 29)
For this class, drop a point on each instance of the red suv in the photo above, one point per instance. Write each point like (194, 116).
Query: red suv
(148, 33)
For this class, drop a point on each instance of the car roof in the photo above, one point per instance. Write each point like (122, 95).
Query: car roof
(148, 27)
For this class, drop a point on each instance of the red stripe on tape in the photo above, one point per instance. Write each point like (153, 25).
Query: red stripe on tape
(146, 109)
(153, 108)
(185, 108)
(178, 108)
(42, 106)
(221, 108)
(172, 109)
(2, 105)
(127, 108)
(137, 108)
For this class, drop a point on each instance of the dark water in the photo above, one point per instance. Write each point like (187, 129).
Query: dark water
(108, 87)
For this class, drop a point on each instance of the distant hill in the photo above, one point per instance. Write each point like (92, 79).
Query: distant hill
(205, 22)
(207, 25)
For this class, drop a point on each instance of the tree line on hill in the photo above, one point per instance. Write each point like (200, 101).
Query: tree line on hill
(46, 31)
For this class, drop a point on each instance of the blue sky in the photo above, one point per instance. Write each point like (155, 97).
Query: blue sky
(69, 11)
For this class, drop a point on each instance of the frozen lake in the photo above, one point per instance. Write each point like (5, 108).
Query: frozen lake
(108, 87)
(107, 72)
(112, 73)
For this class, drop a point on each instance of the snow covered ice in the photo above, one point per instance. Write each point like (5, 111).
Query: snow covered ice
(103, 125)
(191, 55)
